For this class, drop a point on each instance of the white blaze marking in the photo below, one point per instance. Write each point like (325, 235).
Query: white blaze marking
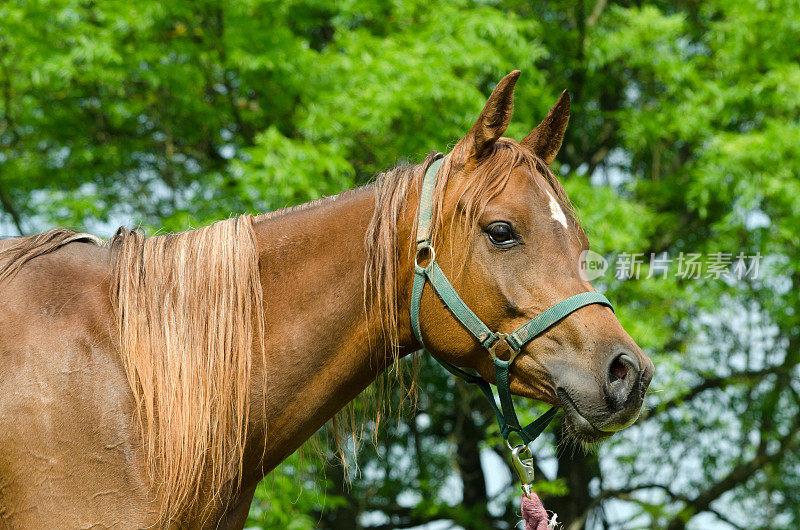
(556, 211)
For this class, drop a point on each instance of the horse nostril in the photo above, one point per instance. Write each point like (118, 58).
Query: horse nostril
(618, 370)
(621, 378)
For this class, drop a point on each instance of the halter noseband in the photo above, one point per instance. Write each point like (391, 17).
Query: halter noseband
(506, 415)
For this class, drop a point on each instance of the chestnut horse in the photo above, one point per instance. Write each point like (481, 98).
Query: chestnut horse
(153, 382)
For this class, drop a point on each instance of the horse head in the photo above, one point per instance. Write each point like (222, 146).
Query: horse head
(511, 245)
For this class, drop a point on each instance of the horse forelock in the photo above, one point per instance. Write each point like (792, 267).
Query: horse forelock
(190, 321)
(490, 178)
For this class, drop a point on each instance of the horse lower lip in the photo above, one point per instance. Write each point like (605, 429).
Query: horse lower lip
(583, 424)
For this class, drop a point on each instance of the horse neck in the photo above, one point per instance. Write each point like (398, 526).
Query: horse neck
(321, 349)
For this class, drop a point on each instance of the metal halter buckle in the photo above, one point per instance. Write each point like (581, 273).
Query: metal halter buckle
(500, 338)
(522, 460)
(431, 258)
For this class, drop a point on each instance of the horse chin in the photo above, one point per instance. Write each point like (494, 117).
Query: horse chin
(578, 427)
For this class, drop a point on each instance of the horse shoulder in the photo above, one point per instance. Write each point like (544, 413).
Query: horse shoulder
(66, 413)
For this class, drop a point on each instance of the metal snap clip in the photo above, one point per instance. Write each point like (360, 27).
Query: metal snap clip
(522, 460)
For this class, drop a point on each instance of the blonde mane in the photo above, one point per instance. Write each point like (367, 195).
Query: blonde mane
(189, 312)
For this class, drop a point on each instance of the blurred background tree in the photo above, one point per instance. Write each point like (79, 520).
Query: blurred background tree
(684, 138)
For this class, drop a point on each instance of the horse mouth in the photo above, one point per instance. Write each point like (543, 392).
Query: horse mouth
(577, 425)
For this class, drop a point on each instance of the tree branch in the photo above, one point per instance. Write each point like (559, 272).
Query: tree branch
(599, 6)
(402, 517)
(712, 383)
(738, 475)
(603, 146)
(11, 210)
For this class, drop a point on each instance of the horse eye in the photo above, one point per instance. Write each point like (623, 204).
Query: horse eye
(500, 234)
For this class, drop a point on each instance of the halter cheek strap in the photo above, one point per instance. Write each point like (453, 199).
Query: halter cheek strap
(431, 272)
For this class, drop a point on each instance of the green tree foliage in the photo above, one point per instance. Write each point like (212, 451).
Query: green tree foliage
(684, 138)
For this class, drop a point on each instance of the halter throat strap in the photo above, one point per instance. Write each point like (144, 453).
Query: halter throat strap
(515, 341)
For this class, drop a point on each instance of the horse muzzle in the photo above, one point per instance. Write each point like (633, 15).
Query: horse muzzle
(596, 407)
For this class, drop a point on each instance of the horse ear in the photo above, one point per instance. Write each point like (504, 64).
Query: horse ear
(545, 140)
(494, 118)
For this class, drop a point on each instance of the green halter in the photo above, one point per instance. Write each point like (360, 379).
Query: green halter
(506, 415)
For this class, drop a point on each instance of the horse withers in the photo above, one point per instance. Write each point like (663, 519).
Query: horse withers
(152, 382)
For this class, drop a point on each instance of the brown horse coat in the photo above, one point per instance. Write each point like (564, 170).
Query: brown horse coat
(110, 395)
